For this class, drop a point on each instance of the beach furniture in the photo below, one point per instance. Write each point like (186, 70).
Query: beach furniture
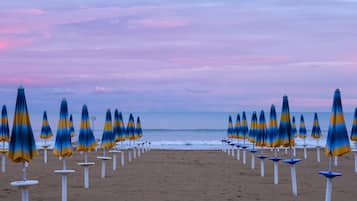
(252, 138)
(4, 137)
(337, 142)
(86, 143)
(46, 133)
(22, 146)
(261, 141)
(353, 137)
(316, 134)
(302, 134)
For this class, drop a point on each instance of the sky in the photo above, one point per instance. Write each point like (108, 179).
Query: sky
(179, 55)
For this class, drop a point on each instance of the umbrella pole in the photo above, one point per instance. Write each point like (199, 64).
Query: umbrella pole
(318, 151)
(355, 162)
(294, 151)
(336, 161)
(86, 171)
(329, 181)
(45, 152)
(305, 151)
(238, 153)
(3, 158)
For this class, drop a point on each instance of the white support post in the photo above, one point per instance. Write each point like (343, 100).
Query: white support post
(318, 154)
(238, 153)
(3, 162)
(122, 159)
(244, 156)
(262, 168)
(293, 180)
(276, 172)
(252, 161)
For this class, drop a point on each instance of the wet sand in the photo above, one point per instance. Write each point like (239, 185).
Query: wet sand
(183, 176)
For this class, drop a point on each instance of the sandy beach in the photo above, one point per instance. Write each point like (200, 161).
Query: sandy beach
(183, 175)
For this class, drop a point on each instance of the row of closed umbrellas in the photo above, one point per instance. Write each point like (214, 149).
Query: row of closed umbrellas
(274, 136)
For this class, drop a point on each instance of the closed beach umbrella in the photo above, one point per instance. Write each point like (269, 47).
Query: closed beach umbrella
(230, 127)
(253, 137)
(337, 143)
(107, 141)
(119, 128)
(261, 137)
(302, 134)
(274, 142)
(108, 135)
(46, 133)
(22, 146)
(285, 136)
(262, 140)
(316, 134)
(253, 129)
(354, 135)
(4, 126)
(4, 137)
(273, 139)
(237, 127)
(138, 129)
(63, 145)
(86, 139)
(71, 126)
(293, 127)
(130, 129)
(244, 133)
(287, 140)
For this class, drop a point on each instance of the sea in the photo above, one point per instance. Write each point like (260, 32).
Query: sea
(184, 130)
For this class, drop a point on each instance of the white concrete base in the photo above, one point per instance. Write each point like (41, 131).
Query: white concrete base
(86, 166)
(104, 165)
(23, 186)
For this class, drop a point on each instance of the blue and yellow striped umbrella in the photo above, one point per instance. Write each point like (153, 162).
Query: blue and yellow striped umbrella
(4, 126)
(262, 131)
(108, 134)
(86, 140)
(230, 127)
(130, 128)
(244, 127)
(237, 127)
(337, 142)
(354, 127)
(22, 146)
(285, 136)
(316, 130)
(138, 129)
(63, 144)
(71, 126)
(119, 128)
(273, 139)
(302, 129)
(293, 128)
(253, 129)
(46, 132)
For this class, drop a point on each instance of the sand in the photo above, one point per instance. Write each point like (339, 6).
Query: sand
(183, 176)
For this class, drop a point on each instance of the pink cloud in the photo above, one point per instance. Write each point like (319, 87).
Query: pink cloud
(13, 30)
(13, 43)
(162, 23)
(23, 11)
(18, 80)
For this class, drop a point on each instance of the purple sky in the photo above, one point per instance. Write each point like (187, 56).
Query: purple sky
(178, 55)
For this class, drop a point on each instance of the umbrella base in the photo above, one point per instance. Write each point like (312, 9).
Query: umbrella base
(330, 174)
(292, 161)
(275, 159)
(23, 186)
(262, 157)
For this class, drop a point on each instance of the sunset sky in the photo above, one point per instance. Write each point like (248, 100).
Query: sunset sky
(177, 55)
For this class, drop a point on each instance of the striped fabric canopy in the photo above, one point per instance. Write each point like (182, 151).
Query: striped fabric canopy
(22, 146)
(273, 139)
(108, 134)
(86, 140)
(244, 127)
(293, 128)
(316, 130)
(138, 129)
(285, 136)
(354, 127)
(237, 127)
(302, 130)
(337, 142)
(130, 129)
(46, 132)
(230, 127)
(253, 128)
(119, 128)
(4, 126)
(63, 145)
(262, 131)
